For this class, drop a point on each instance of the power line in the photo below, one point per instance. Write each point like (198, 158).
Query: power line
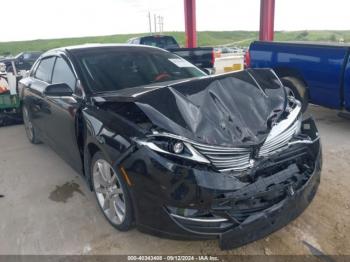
(157, 19)
(160, 23)
(155, 23)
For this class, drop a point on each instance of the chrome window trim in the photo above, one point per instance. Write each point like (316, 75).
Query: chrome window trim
(206, 220)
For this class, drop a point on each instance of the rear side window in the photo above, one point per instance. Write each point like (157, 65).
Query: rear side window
(44, 70)
(62, 73)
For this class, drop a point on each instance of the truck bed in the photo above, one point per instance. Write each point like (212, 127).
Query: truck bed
(202, 57)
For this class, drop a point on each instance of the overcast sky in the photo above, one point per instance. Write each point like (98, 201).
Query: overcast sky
(39, 19)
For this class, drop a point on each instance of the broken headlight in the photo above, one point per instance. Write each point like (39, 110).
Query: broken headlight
(171, 145)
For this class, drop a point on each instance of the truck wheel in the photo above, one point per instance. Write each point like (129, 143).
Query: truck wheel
(31, 132)
(112, 193)
(297, 89)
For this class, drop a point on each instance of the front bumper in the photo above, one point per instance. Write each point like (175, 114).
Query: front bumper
(273, 218)
(234, 210)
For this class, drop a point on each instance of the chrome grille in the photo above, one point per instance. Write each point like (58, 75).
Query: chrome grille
(282, 133)
(226, 158)
(276, 143)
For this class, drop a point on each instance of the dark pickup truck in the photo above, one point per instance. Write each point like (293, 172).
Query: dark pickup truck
(23, 61)
(316, 73)
(202, 57)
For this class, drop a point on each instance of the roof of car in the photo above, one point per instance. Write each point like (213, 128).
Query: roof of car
(77, 48)
(89, 46)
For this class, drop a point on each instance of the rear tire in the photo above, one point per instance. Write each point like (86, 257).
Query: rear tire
(31, 131)
(111, 192)
(297, 89)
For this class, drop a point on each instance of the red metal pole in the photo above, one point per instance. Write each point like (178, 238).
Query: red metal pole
(267, 20)
(190, 23)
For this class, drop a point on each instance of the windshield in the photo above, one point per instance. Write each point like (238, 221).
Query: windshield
(113, 69)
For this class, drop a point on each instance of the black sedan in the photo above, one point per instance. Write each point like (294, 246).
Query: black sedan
(171, 150)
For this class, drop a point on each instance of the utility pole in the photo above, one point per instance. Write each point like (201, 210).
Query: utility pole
(155, 23)
(159, 24)
(149, 22)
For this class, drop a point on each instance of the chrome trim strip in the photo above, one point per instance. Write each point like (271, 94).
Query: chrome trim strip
(202, 146)
(206, 220)
(304, 141)
(236, 169)
(239, 157)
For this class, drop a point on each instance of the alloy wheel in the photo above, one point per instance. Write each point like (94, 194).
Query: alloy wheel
(109, 192)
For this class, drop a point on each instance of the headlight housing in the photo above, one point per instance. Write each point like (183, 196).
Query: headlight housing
(172, 145)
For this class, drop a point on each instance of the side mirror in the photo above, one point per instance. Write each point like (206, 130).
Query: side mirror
(61, 89)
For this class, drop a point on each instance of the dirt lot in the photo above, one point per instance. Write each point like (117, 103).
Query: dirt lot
(47, 208)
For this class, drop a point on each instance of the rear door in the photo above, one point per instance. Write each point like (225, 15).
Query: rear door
(34, 98)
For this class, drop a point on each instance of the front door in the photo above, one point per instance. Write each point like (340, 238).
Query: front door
(60, 118)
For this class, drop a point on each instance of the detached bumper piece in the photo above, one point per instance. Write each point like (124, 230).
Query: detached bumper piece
(278, 190)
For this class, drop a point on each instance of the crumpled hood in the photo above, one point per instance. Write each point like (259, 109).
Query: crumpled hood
(228, 110)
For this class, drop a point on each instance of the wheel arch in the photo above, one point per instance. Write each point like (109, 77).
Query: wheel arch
(282, 72)
(90, 150)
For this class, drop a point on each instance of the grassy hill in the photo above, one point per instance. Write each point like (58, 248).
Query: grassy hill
(205, 38)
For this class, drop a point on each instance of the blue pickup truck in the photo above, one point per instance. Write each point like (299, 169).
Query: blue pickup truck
(315, 73)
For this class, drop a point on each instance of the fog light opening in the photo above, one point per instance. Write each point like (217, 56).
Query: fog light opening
(178, 147)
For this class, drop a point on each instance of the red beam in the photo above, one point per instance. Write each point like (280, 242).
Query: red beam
(190, 23)
(267, 20)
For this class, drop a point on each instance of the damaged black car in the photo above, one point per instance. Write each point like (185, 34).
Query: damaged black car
(173, 151)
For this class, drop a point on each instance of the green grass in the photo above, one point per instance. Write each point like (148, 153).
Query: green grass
(205, 38)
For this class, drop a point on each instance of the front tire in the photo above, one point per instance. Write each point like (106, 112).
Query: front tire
(297, 89)
(31, 131)
(111, 193)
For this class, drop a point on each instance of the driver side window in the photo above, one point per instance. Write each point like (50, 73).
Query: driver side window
(62, 73)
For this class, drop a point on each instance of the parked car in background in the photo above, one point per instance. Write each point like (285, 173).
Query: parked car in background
(162, 41)
(313, 72)
(23, 61)
(230, 50)
(171, 150)
(202, 57)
